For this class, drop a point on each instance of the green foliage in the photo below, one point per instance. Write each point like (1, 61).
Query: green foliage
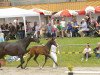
(70, 68)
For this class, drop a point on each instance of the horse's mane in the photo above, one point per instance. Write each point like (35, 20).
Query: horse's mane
(48, 44)
(24, 39)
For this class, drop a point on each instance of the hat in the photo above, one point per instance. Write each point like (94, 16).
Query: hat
(83, 19)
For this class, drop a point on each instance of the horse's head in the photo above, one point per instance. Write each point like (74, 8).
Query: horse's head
(35, 39)
(53, 42)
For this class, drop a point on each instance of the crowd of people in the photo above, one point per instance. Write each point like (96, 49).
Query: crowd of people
(61, 28)
(56, 27)
(13, 29)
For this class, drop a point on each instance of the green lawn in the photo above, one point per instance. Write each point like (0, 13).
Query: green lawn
(68, 59)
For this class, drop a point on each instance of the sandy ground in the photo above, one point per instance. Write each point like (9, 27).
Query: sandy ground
(49, 71)
(32, 71)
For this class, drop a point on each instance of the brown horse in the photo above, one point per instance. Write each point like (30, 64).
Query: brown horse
(41, 50)
(17, 48)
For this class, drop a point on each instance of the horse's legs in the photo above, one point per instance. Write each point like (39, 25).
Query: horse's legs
(21, 62)
(28, 60)
(36, 58)
(52, 59)
(45, 61)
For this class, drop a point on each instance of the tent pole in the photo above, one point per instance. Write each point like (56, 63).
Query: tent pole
(24, 19)
(40, 20)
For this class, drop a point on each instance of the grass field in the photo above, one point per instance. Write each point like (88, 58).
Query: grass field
(68, 59)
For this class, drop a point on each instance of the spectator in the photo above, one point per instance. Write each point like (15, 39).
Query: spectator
(83, 28)
(69, 29)
(1, 36)
(98, 23)
(75, 26)
(3, 26)
(87, 52)
(59, 29)
(43, 28)
(35, 24)
(29, 28)
(55, 27)
(37, 31)
(11, 28)
(87, 18)
(98, 19)
(49, 30)
(12, 31)
(93, 22)
(97, 50)
(6, 27)
(63, 23)
(16, 22)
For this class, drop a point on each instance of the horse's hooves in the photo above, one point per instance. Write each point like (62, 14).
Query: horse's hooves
(22, 68)
(26, 68)
(40, 67)
(18, 66)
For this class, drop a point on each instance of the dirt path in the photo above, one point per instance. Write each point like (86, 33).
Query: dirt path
(32, 71)
(49, 71)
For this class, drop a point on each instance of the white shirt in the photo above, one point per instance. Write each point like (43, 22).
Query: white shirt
(15, 22)
(53, 48)
(55, 26)
(0, 30)
(84, 26)
(37, 28)
(63, 23)
(87, 50)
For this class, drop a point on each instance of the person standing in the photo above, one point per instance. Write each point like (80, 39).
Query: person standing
(59, 29)
(43, 29)
(16, 22)
(37, 31)
(54, 30)
(63, 23)
(1, 36)
(49, 30)
(54, 54)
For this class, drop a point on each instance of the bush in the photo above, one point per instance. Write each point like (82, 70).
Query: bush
(70, 68)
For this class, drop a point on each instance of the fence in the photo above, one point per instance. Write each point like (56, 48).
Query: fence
(74, 48)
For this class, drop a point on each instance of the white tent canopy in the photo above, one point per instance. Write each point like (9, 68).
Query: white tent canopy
(17, 12)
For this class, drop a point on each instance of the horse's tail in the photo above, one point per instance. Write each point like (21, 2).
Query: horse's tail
(28, 51)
